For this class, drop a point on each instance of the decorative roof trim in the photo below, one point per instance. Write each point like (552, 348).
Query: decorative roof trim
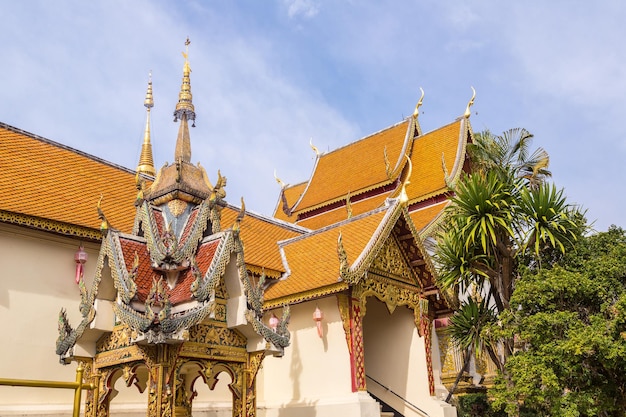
(294, 208)
(342, 198)
(260, 270)
(305, 296)
(50, 225)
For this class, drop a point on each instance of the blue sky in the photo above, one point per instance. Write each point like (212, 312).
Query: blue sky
(268, 76)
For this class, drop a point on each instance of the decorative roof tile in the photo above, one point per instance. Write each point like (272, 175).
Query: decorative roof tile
(354, 167)
(312, 259)
(41, 178)
(260, 236)
(428, 178)
(340, 213)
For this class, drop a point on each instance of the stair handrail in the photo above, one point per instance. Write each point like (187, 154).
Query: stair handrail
(77, 386)
(419, 410)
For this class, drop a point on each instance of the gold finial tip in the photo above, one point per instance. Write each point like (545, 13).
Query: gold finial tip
(149, 101)
(471, 102)
(419, 104)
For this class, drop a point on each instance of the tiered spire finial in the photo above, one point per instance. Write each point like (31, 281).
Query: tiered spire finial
(184, 112)
(185, 104)
(146, 163)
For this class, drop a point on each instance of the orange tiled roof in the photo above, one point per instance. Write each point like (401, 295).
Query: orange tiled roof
(313, 259)
(47, 180)
(427, 178)
(423, 217)
(292, 193)
(336, 215)
(355, 167)
(260, 237)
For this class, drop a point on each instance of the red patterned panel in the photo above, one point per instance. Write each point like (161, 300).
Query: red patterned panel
(188, 226)
(145, 274)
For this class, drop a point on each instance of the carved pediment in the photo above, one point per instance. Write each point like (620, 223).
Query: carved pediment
(392, 263)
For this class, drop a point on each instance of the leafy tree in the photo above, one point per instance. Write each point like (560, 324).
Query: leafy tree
(501, 216)
(570, 324)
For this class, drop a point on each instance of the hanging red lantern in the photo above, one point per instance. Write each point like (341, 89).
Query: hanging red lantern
(318, 316)
(80, 257)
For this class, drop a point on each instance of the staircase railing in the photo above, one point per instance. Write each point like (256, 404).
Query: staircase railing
(404, 400)
(77, 386)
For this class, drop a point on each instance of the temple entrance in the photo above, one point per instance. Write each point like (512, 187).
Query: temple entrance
(393, 353)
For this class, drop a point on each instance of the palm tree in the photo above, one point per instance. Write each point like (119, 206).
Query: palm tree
(503, 213)
(466, 331)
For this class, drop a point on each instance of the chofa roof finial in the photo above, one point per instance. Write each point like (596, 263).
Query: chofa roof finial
(471, 102)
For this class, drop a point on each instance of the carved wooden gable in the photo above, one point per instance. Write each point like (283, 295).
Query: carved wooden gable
(391, 262)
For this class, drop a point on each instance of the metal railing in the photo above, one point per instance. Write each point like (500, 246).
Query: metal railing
(77, 386)
(407, 402)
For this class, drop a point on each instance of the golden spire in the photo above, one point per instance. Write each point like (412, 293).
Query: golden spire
(146, 163)
(184, 112)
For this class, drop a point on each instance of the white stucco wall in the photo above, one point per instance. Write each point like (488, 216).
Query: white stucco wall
(37, 279)
(325, 389)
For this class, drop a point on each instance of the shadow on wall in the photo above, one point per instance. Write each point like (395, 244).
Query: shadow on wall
(298, 409)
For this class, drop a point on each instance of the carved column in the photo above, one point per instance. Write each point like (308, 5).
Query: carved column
(424, 326)
(254, 363)
(357, 311)
(160, 394)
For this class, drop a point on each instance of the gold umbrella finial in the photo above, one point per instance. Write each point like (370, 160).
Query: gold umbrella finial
(146, 163)
(185, 107)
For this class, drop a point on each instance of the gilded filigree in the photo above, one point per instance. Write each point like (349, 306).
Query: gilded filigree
(391, 262)
(214, 335)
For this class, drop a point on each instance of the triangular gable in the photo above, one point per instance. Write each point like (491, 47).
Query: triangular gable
(334, 258)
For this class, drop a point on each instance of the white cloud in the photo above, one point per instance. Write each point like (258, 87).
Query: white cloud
(302, 8)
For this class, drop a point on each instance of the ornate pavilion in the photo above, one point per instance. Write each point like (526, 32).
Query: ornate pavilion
(332, 308)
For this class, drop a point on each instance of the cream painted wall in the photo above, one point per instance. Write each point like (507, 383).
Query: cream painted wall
(395, 356)
(325, 389)
(37, 279)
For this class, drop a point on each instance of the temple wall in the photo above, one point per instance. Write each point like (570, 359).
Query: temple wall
(37, 279)
(325, 389)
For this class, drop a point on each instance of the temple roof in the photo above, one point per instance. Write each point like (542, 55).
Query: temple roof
(434, 156)
(312, 259)
(333, 178)
(428, 176)
(46, 180)
(261, 236)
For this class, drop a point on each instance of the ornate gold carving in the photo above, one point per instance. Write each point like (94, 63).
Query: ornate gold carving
(343, 302)
(391, 293)
(50, 225)
(255, 359)
(121, 336)
(177, 207)
(214, 335)
(391, 262)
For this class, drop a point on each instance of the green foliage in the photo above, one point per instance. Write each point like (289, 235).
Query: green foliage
(476, 405)
(570, 323)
